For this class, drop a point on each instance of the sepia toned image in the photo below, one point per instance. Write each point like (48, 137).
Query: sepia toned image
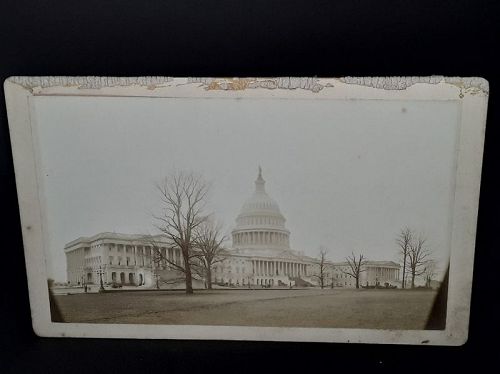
(219, 203)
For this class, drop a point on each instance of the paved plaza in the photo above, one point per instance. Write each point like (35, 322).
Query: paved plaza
(349, 308)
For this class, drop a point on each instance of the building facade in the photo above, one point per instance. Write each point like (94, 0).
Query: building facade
(260, 256)
(116, 258)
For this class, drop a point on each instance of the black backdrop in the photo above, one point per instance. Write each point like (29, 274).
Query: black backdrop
(245, 38)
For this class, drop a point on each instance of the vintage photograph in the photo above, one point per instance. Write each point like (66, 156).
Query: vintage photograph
(256, 211)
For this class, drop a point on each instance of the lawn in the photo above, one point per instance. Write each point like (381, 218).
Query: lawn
(380, 309)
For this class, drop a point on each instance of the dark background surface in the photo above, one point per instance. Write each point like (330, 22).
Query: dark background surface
(253, 38)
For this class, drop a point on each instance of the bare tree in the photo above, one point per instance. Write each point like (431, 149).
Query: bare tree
(355, 267)
(404, 240)
(183, 198)
(209, 249)
(159, 259)
(418, 258)
(322, 274)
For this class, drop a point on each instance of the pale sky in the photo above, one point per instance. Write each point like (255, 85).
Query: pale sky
(347, 175)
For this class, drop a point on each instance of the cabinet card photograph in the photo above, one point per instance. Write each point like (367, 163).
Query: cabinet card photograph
(277, 209)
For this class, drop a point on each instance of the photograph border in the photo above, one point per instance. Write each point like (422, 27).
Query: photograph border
(471, 93)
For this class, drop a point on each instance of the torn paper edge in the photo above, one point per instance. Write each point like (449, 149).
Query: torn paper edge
(313, 84)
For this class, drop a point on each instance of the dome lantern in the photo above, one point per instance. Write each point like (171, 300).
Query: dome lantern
(260, 182)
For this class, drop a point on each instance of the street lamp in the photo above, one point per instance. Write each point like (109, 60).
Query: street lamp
(84, 282)
(101, 287)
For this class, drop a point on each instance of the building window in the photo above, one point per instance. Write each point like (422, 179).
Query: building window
(128, 260)
(111, 260)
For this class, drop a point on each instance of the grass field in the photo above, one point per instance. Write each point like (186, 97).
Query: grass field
(380, 309)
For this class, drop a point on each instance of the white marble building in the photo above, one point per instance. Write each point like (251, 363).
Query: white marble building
(261, 253)
(260, 256)
(118, 258)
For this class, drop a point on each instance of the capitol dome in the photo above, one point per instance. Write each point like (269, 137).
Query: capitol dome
(260, 223)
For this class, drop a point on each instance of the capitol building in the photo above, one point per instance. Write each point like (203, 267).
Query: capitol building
(260, 256)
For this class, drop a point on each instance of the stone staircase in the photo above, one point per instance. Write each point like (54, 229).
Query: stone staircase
(301, 282)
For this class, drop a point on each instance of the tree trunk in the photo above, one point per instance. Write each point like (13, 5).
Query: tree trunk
(187, 272)
(404, 271)
(412, 280)
(357, 282)
(209, 278)
(189, 281)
